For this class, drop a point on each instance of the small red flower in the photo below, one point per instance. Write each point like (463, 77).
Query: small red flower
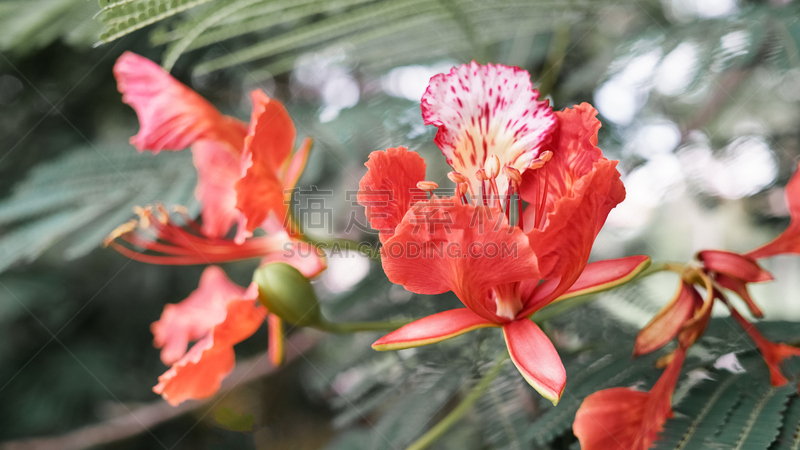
(491, 124)
(243, 171)
(218, 315)
(244, 176)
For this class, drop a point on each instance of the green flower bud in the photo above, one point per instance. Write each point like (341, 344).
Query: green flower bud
(288, 294)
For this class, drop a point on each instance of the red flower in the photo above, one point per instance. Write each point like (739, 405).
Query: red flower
(243, 172)
(502, 273)
(217, 315)
(626, 419)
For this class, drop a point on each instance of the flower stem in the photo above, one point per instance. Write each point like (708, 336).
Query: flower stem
(354, 327)
(458, 412)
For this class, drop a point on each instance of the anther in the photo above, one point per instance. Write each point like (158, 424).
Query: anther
(461, 192)
(492, 166)
(427, 185)
(144, 215)
(513, 175)
(125, 228)
(456, 177)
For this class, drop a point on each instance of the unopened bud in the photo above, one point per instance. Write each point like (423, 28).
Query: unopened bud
(492, 166)
(287, 294)
(456, 177)
(513, 174)
(427, 185)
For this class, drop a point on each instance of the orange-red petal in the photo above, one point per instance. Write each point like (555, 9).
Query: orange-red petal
(740, 288)
(773, 353)
(432, 329)
(268, 144)
(789, 240)
(669, 321)
(624, 419)
(199, 373)
(535, 358)
(195, 316)
(597, 276)
(734, 264)
(171, 116)
(443, 246)
(218, 169)
(389, 187)
(581, 188)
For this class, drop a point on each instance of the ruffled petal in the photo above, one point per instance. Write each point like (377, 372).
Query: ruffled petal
(195, 316)
(171, 116)
(389, 187)
(536, 358)
(669, 321)
(432, 329)
(624, 419)
(575, 153)
(563, 246)
(199, 373)
(442, 246)
(789, 240)
(734, 264)
(267, 146)
(773, 353)
(581, 187)
(487, 110)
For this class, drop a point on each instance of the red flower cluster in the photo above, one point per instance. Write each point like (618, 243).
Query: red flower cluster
(244, 174)
(628, 419)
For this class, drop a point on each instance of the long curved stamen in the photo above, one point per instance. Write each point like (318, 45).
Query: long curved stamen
(492, 169)
(163, 242)
(538, 163)
(461, 185)
(461, 192)
(480, 174)
(514, 180)
(429, 187)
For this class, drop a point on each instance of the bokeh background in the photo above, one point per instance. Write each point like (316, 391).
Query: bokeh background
(699, 100)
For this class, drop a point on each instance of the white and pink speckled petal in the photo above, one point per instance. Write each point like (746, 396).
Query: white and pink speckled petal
(484, 110)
